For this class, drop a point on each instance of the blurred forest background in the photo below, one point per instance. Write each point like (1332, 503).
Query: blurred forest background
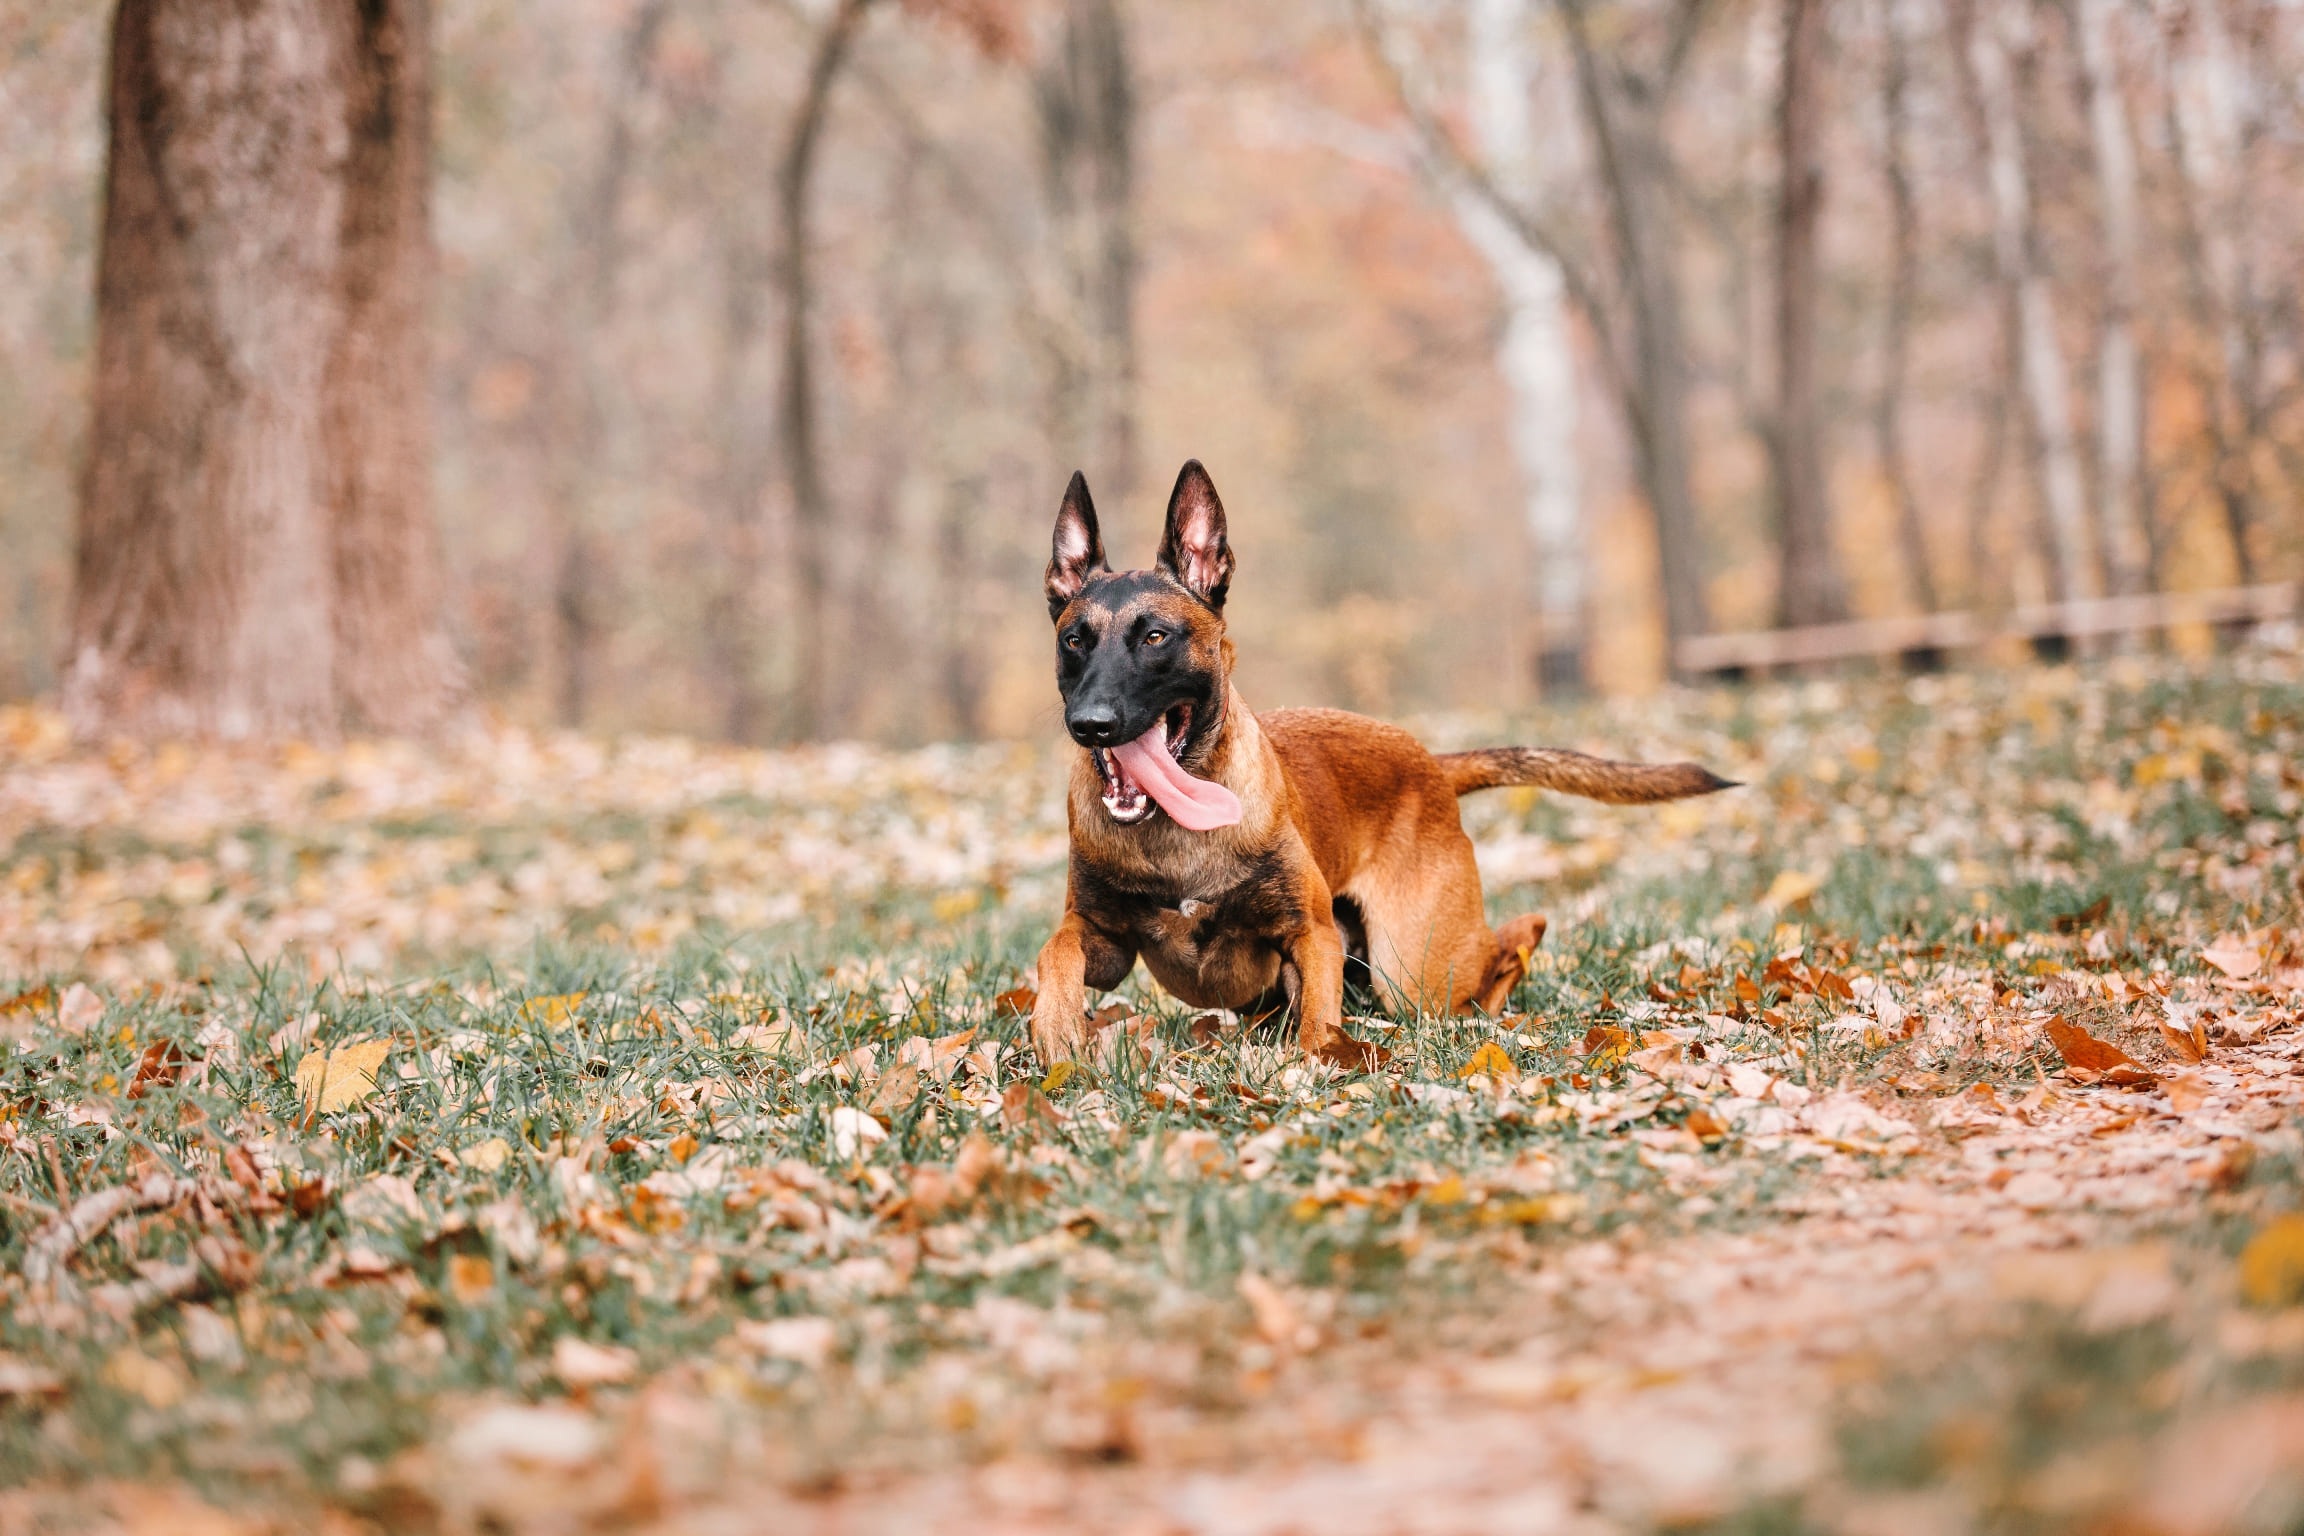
(1518, 334)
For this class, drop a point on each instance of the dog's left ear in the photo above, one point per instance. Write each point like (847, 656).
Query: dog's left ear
(1194, 550)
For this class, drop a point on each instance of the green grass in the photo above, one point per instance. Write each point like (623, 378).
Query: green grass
(670, 1170)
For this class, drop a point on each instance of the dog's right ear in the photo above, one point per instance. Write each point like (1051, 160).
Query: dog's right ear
(1078, 552)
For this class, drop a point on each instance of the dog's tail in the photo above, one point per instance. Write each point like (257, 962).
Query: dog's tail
(1574, 773)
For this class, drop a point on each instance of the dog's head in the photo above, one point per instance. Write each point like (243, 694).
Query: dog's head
(1139, 650)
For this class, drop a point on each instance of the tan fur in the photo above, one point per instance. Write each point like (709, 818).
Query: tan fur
(1333, 804)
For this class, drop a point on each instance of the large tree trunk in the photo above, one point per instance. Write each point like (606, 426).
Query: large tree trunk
(1536, 353)
(1087, 106)
(1625, 116)
(256, 553)
(2039, 357)
(1810, 589)
(2122, 534)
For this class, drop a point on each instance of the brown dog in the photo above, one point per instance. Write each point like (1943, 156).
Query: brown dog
(1240, 855)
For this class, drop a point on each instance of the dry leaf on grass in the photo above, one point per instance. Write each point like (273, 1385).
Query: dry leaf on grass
(2234, 956)
(2189, 1044)
(1491, 1060)
(580, 1363)
(330, 1080)
(2091, 1060)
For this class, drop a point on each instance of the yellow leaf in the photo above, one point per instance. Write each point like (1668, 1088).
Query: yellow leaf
(1791, 887)
(2272, 1265)
(470, 1278)
(330, 1080)
(555, 1013)
(485, 1156)
(1490, 1060)
(1058, 1075)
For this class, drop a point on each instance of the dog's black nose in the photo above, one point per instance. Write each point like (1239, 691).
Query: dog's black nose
(1092, 727)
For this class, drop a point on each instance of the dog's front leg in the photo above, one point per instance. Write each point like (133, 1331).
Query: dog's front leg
(1312, 969)
(1075, 958)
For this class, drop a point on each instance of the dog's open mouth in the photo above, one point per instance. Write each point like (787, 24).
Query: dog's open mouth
(1127, 800)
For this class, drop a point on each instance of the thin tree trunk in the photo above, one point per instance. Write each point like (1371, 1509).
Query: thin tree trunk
(255, 548)
(1087, 106)
(1810, 590)
(2039, 359)
(810, 711)
(1903, 289)
(2122, 540)
(2204, 121)
(1635, 174)
(1536, 354)
(581, 380)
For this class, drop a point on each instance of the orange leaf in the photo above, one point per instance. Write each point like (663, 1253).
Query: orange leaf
(2190, 1044)
(1015, 1003)
(2083, 1050)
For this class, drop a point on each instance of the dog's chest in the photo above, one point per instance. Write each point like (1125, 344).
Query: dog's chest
(1205, 911)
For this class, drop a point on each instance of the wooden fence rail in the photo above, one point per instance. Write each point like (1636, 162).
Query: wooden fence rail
(2081, 619)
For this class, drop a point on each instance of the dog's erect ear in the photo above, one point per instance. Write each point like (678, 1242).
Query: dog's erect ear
(1079, 549)
(1194, 550)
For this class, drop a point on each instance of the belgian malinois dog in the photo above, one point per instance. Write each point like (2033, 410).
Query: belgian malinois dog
(1243, 857)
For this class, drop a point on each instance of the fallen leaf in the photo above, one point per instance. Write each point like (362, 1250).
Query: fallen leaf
(806, 1341)
(79, 1010)
(2234, 956)
(471, 1278)
(1277, 1318)
(2272, 1265)
(2190, 1045)
(330, 1080)
(1491, 1060)
(580, 1363)
(1791, 887)
(896, 1090)
(1015, 1003)
(2186, 1091)
(555, 1013)
(1024, 1106)
(1705, 1125)
(1605, 1045)
(854, 1132)
(485, 1156)
(160, 1066)
(2084, 1053)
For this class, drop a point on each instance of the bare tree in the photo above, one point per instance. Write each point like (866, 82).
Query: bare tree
(1810, 590)
(1087, 111)
(1536, 353)
(256, 550)
(1903, 289)
(2121, 524)
(1984, 39)
(1625, 104)
(2211, 123)
(580, 381)
(810, 707)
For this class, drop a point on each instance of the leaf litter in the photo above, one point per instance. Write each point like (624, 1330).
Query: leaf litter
(539, 1132)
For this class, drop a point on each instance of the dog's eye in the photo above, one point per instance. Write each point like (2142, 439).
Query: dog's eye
(1155, 637)
(1071, 642)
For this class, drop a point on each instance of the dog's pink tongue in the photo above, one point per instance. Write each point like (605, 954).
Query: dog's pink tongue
(1196, 804)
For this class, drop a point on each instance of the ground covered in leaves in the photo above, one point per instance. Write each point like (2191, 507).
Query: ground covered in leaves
(554, 1135)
